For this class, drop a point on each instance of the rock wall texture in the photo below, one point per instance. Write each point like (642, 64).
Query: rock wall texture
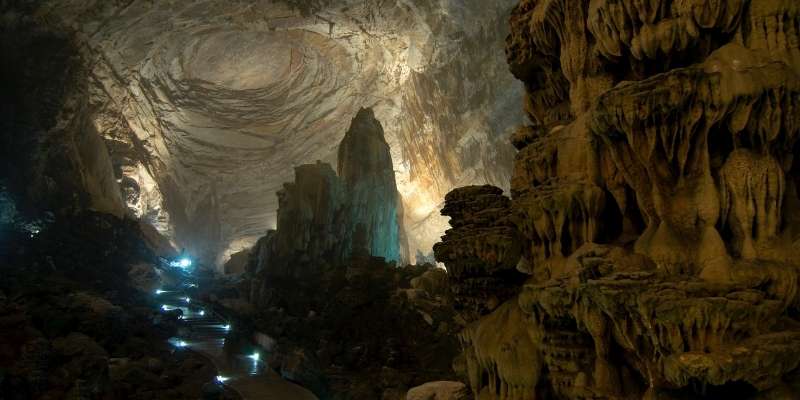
(649, 248)
(326, 218)
(52, 156)
(207, 106)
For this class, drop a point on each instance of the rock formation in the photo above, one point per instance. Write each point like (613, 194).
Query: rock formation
(326, 218)
(323, 290)
(653, 209)
(438, 391)
(310, 223)
(366, 169)
(481, 250)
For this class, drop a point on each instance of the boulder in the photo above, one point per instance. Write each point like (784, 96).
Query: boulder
(144, 277)
(442, 390)
(237, 264)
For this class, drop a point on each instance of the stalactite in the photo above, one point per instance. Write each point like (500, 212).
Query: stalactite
(655, 28)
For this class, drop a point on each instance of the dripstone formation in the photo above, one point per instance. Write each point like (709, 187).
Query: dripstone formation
(650, 245)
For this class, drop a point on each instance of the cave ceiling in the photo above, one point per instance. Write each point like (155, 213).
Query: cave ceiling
(206, 106)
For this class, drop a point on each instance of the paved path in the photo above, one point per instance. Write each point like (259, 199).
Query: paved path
(206, 333)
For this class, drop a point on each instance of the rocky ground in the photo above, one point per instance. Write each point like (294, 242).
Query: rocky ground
(367, 330)
(322, 293)
(74, 327)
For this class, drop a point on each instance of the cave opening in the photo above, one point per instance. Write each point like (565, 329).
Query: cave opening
(614, 220)
(633, 211)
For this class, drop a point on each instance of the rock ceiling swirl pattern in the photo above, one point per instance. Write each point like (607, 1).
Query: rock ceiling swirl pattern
(217, 101)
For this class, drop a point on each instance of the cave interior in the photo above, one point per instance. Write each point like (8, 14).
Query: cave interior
(400, 199)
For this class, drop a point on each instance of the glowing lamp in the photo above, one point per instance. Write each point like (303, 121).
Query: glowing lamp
(188, 300)
(159, 291)
(184, 263)
(181, 343)
(226, 327)
(255, 356)
(222, 379)
(202, 313)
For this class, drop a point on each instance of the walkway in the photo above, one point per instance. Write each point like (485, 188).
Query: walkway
(205, 332)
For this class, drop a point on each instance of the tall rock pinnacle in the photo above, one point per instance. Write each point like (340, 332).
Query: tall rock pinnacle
(365, 166)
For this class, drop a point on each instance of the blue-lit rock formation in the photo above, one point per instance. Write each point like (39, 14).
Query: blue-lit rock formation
(365, 167)
(321, 214)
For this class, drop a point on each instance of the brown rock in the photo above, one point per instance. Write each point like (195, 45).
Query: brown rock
(654, 206)
(481, 251)
(442, 390)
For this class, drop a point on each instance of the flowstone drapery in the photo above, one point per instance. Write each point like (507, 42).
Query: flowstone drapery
(654, 202)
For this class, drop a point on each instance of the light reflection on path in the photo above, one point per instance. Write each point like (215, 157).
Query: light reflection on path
(205, 333)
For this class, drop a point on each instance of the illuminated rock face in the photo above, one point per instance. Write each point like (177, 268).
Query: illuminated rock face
(208, 106)
(327, 218)
(365, 167)
(654, 198)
